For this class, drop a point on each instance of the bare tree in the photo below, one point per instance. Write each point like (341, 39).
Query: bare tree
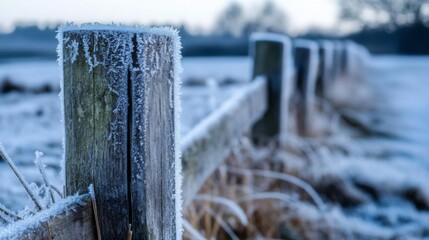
(236, 22)
(231, 21)
(385, 13)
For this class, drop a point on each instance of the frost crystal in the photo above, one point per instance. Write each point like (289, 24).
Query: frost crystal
(113, 47)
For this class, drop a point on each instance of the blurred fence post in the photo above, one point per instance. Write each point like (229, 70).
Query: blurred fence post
(119, 113)
(307, 66)
(272, 59)
(326, 69)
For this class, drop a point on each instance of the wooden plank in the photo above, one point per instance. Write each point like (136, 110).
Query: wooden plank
(69, 219)
(307, 66)
(95, 104)
(119, 100)
(326, 70)
(208, 144)
(153, 165)
(272, 58)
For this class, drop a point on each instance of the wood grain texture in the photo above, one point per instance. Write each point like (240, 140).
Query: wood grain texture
(96, 126)
(120, 128)
(152, 186)
(72, 221)
(208, 144)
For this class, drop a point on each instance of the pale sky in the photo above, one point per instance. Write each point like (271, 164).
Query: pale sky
(197, 14)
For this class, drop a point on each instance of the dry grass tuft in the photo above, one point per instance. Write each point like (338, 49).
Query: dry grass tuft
(267, 190)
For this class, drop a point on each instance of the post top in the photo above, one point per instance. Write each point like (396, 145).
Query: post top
(270, 37)
(303, 43)
(164, 31)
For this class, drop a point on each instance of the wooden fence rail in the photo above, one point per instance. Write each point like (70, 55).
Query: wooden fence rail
(120, 93)
(211, 141)
(73, 218)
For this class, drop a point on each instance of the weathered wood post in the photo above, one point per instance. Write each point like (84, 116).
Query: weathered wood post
(307, 64)
(272, 59)
(326, 69)
(120, 95)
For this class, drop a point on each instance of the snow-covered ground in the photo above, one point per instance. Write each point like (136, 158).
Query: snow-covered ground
(395, 165)
(382, 180)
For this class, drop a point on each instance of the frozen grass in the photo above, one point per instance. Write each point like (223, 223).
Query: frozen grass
(276, 209)
(42, 196)
(370, 172)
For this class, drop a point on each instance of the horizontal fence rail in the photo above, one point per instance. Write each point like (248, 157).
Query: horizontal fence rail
(73, 218)
(209, 143)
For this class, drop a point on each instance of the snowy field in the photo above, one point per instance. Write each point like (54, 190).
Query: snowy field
(394, 165)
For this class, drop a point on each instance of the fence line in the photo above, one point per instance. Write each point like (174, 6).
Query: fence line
(120, 120)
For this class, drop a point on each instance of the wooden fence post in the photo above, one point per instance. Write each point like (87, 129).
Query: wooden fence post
(307, 64)
(326, 69)
(272, 59)
(119, 90)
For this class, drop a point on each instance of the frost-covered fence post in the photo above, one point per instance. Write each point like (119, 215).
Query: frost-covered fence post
(307, 66)
(272, 59)
(120, 98)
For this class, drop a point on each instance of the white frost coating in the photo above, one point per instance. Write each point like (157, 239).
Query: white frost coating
(288, 198)
(178, 109)
(38, 161)
(234, 207)
(74, 47)
(200, 130)
(91, 191)
(7, 215)
(13, 230)
(194, 233)
(31, 193)
(287, 178)
(60, 38)
(124, 45)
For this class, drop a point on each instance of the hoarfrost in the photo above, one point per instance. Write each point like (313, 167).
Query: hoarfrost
(21, 178)
(119, 40)
(33, 222)
(50, 195)
(235, 208)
